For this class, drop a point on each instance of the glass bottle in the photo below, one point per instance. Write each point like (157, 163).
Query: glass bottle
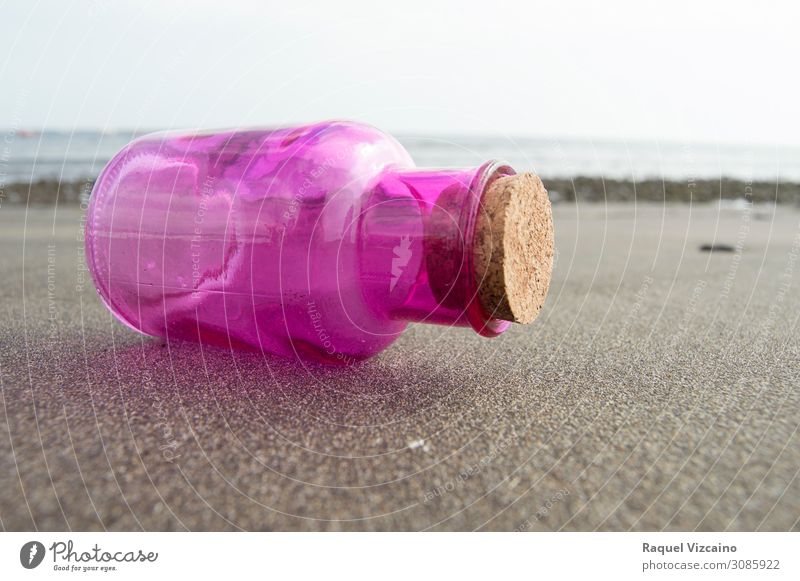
(320, 242)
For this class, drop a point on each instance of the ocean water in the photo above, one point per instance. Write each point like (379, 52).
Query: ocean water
(26, 156)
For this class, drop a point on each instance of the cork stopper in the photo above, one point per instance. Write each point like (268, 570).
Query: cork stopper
(513, 249)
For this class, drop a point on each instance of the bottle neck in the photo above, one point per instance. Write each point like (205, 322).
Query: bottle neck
(416, 232)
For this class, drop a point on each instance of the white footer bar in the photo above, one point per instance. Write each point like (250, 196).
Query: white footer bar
(378, 556)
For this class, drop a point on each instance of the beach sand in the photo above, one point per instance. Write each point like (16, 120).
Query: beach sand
(659, 389)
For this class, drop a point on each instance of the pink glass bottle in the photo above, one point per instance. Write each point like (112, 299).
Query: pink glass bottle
(320, 242)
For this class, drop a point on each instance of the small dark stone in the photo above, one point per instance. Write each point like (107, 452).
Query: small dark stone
(717, 248)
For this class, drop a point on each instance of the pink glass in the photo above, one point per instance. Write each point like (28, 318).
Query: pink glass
(320, 242)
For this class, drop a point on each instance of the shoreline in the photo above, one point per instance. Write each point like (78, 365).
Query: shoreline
(579, 189)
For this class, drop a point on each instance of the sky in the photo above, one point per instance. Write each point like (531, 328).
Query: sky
(718, 72)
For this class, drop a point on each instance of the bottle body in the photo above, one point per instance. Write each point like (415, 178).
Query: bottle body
(320, 242)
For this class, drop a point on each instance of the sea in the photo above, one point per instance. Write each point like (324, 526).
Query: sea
(27, 156)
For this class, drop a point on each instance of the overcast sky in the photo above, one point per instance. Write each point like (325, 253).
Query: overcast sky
(669, 71)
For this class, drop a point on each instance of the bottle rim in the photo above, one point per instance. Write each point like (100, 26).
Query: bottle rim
(485, 324)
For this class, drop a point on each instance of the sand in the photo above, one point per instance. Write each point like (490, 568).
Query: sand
(658, 389)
